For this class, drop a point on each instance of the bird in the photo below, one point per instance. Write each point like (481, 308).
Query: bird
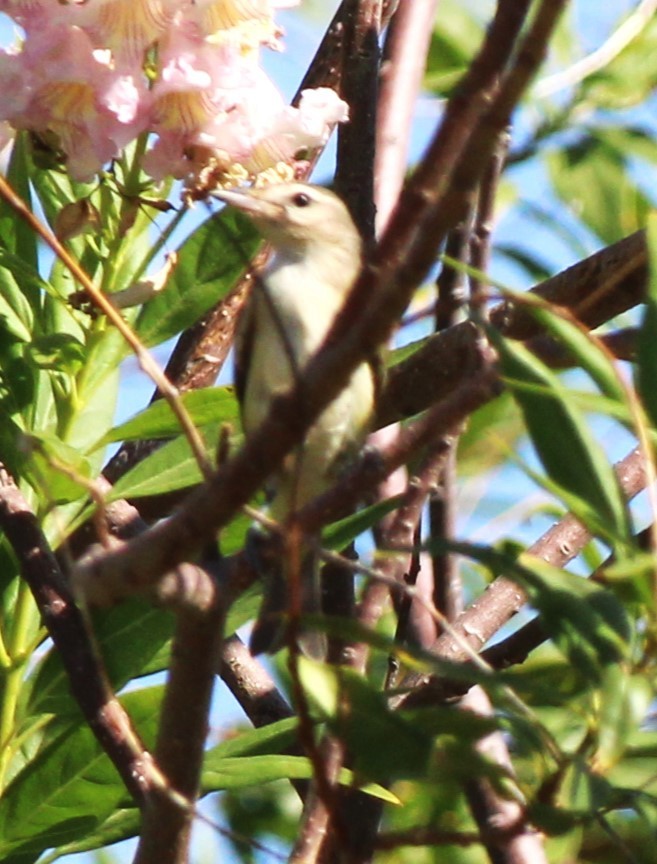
(317, 256)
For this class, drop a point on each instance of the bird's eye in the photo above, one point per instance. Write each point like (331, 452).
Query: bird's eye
(301, 199)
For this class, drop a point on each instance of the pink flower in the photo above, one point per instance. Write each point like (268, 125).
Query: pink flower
(70, 89)
(86, 75)
(244, 23)
(127, 27)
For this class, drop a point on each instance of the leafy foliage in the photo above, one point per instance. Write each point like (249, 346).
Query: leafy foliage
(575, 713)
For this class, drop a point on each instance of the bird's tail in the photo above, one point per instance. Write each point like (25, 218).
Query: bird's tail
(272, 628)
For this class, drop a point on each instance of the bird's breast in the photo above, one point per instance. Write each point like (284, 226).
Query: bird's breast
(290, 323)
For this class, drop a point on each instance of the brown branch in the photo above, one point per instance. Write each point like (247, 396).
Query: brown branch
(517, 842)
(398, 534)
(447, 588)
(319, 825)
(596, 289)
(251, 685)
(354, 173)
(405, 51)
(325, 69)
(516, 648)
(182, 733)
(67, 628)
(196, 652)
(604, 285)
(480, 241)
(403, 531)
(187, 586)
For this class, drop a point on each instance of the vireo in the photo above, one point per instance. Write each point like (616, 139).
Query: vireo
(317, 256)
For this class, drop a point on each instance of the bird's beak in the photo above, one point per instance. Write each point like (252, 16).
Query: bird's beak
(249, 201)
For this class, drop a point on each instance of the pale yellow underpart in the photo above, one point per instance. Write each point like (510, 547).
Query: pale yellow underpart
(295, 285)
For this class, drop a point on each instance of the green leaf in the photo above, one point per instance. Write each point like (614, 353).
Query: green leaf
(172, 466)
(624, 702)
(47, 463)
(129, 636)
(594, 180)
(340, 534)
(583, 791)
(586, 621)
(453, 43)
(209, 263)
(96, 391)
(56, 189)
(255, 756)
(70, 788)
(18, 389)
(361, 717)
(583, 349)
(57, 351)
(491, 431)
(255, 770)
(570, 454)
(16, 236)
(397, 355)
(119, 825)
(209, 405)
(246, 607)
(18, 282)
(272, 738)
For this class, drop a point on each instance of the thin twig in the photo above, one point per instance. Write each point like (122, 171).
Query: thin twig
(602, 56)
(504, 598)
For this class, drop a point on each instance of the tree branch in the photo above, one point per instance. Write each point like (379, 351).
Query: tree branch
(68, 630)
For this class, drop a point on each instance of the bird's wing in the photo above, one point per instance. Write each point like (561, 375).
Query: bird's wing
(377, 364)
(244, 348)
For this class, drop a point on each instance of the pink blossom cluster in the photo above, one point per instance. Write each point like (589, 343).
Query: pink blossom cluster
(96, 75)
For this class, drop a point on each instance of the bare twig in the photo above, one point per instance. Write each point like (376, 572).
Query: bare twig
(446, 587)
(405, 52)
(480, 240)
(251, 684)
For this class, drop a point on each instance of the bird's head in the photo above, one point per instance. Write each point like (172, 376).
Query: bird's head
(297, 216)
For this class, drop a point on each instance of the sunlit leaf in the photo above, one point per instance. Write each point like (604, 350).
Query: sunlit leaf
(570, 454)
(209, 405)
(209, 263)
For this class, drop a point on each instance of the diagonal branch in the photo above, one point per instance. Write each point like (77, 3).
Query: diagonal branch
(67, 628)
(504, 598)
